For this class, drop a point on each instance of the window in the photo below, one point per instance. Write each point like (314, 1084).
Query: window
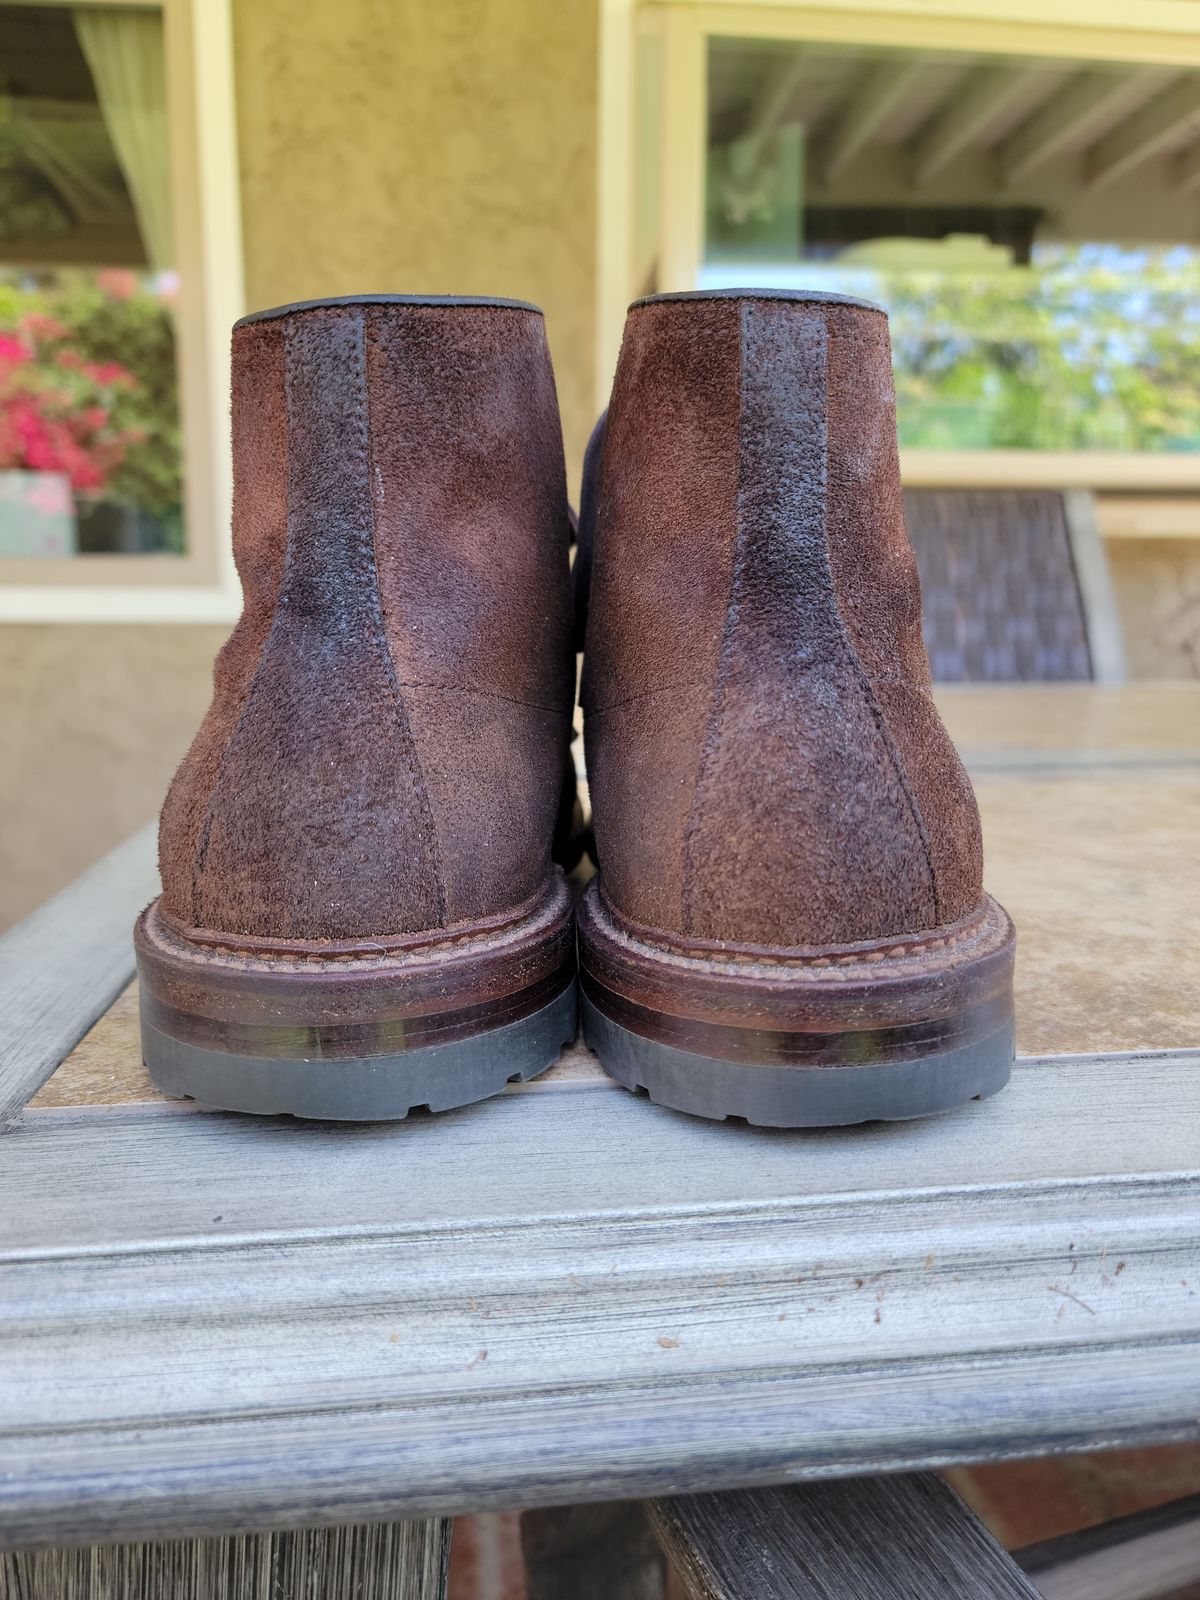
(1030, 219)
(119, 276)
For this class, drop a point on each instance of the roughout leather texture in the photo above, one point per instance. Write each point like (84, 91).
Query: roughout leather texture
(766, 764)
(385, 748)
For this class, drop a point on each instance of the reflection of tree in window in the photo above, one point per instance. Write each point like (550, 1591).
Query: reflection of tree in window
(1028, 223)
(1089, 347)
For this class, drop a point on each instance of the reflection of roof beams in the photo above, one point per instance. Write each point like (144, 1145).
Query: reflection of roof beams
(1185, 171)
(749, 151)
(879, 94)
(987, 93)
(1069, 116)
(774, 100)
(1145, 135)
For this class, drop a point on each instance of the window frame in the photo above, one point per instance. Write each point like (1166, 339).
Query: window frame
(200, 585)
(1163, 32)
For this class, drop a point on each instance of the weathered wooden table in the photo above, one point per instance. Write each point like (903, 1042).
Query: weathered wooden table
(216, 1325)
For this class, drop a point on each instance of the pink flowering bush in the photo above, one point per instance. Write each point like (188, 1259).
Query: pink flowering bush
(57, 409)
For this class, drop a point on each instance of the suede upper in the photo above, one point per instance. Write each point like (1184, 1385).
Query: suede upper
(385, 747)
(766, 764)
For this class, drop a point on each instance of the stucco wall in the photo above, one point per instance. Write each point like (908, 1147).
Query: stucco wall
(394, 145)
(93, 722)
(410, 147)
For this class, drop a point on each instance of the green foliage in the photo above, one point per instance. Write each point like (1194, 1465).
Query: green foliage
(114, 317)
(1089, 348)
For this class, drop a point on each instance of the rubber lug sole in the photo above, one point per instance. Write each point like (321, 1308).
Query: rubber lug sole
(799, 1096)
(365, 1089)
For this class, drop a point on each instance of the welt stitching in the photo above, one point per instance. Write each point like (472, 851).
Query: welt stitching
(712, 733)
(882, 950)
(227, 945)
(875, 959)
(408, 744)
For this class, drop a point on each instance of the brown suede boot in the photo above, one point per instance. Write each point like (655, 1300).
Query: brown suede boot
(789, 924)
(359, 912)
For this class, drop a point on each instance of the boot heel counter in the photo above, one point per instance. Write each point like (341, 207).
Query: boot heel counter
(316, 820)
(474, 584)
(180, 822)
(318, 826)
(183, 819)
(942, 795)
(494, 773)
(401, 696)
(260, 534)
(804, 830)
(642, 757)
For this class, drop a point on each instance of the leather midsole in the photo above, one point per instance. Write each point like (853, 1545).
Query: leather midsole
(927, 981)
(358, 1040)
(771, 1047)
(496, 974)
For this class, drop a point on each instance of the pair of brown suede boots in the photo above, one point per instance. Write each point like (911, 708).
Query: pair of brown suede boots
(360, 909)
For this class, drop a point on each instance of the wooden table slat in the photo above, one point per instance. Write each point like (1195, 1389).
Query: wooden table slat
(220, 1324)
(63, 965)
(214, 1324)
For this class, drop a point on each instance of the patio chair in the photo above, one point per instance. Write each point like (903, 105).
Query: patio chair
(1016, 586)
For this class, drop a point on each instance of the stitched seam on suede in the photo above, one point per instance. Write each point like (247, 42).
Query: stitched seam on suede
(408, 743)
(646, 694)
(712, 733)
(490, 694)
(200, 859)
(898, 768)
(712, 736)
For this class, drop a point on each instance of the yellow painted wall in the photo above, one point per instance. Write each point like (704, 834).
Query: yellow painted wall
(443, 146)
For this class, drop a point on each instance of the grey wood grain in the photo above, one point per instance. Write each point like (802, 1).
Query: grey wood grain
(384, 1561)
(1148, 1556)
(884, 1538)
(223, 1324)
(63, 966)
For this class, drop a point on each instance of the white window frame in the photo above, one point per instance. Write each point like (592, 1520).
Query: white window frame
(1152, 31)
(201, 585)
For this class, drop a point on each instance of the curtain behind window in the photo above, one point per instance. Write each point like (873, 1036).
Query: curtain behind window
(124, 50)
